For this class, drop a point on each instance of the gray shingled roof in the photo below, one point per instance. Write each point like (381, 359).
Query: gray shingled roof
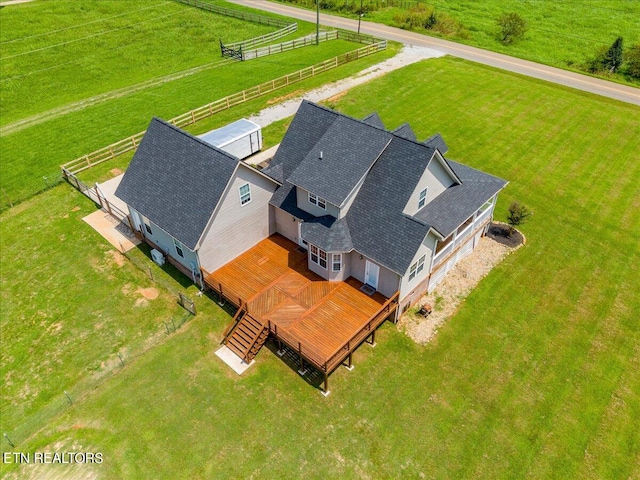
(328, 233)
(176, 181)
(405, 131)
(375, 225)
(374, 120)
(457, 203)
(348, 149)
(436, 141)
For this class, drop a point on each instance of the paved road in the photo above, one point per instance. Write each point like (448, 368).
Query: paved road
(563, 77)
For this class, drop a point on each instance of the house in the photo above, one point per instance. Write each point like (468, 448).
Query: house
(375, 204)
(197, 204)
(348, 225)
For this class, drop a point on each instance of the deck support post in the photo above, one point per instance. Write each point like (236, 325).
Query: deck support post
(280, 351)
(302, 371)
(350, 366)
(221, 302)
(372, 342)
(326, 390)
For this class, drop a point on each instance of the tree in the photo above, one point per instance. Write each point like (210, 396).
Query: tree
(613, 58)
(518, 214)
(512, 27)
(633, 60)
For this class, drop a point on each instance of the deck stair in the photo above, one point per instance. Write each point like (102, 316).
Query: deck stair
(246, 335)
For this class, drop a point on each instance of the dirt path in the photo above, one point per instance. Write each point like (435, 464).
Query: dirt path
(407, 56)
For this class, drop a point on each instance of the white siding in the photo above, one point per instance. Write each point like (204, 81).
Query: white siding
(426, 248)
(435, 179)
(303, 203)
(236, 228)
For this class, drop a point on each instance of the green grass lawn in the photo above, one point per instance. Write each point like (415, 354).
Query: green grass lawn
(564, 34)
(186, 37)
(536, 376)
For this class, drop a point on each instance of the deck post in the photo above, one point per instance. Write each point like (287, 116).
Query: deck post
(326, 390)
(350, 366)
(302, 370)
(221, 302)
(373, 338)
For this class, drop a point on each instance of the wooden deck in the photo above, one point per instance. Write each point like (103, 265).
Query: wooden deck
(323, 321)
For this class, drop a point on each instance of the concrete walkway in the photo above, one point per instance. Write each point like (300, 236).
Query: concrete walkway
(598, 86)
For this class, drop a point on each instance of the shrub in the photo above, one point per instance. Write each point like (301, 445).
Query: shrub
(518, 214)
(613, 58)
(427, 18)
(633, 60)
(512, 27)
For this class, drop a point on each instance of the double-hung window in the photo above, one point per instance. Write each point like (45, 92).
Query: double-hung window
(245, 194)
(318, 201)
(417, 267)
(178, 246)
(337, 262)
(318, 256)
(423, 199)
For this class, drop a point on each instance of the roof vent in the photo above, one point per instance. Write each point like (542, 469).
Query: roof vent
(320, 157)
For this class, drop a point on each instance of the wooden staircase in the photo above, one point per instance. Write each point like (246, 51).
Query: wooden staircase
(245, 335)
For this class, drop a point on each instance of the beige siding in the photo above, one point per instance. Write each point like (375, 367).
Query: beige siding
(235, 227)
(343, 274)
(302, 197)
(347, 204)
(435, 179)
(387, 280)
(412, 288)
(285, 225)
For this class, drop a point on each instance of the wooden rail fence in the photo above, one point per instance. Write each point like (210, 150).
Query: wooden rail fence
(131, 143)
(229, 12)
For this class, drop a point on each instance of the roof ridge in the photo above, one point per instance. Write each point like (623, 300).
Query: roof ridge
(390, 132)
(193, 137)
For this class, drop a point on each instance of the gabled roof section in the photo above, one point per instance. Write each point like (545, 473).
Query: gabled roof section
(176, 180)
(405, 131)
(374, 120)
(457, 203)
(308, 126)
(328, 233)
(339, 159)
(436, 141)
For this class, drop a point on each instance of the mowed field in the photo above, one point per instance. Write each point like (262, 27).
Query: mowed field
(536, 376)
(566, 34)
(76, 76)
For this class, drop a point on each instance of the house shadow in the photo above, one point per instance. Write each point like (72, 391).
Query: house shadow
(177, 275)
(291, 359)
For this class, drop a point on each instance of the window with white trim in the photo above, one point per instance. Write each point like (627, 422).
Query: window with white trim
(245, 194)
(336, 264)
(318, 201)
(178, 246)
(417, 267)
(318, 256)
(423, 199)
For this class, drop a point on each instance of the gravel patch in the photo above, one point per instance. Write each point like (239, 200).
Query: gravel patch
(407, 55)
(457, 284)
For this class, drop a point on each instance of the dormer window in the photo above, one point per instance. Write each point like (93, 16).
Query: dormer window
(423, 199)
(318, 201)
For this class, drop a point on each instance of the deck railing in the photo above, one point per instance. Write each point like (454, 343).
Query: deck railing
(327, 365)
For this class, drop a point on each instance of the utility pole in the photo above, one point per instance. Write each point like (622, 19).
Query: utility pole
(317, 22)
(359, 17)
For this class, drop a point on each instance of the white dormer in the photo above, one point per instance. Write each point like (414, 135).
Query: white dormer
(436, 178)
